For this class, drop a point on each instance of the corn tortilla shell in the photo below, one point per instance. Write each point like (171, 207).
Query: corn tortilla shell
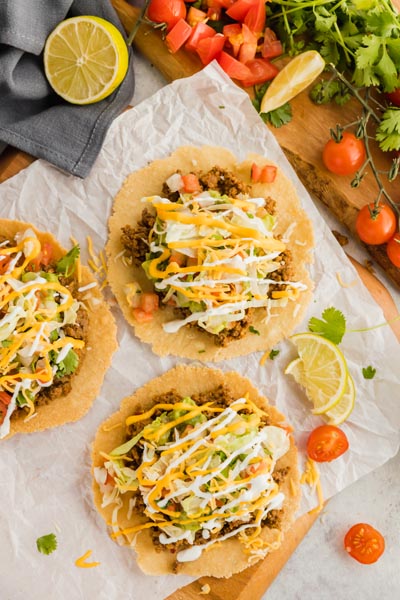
(190, 342)
(100, 346)
(220, 560)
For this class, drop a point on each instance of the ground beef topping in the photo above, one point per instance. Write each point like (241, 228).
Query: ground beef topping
(136, 243)
(220, 397)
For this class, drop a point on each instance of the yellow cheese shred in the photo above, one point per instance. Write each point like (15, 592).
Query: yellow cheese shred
(311, 476)
(80, 562)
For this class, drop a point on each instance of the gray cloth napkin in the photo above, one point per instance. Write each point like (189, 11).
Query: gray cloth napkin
(32, 117)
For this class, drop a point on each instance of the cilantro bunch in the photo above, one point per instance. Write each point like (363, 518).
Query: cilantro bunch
(360, 37)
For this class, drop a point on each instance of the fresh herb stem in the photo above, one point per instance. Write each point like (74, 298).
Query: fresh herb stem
(138, 23)
(363, 329)
(355, 92)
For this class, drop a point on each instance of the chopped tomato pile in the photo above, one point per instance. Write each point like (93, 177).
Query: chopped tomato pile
(234, 32)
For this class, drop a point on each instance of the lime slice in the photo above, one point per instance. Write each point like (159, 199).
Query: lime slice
(85, 59)
(298, 74)
(321, 369)
(342, 410)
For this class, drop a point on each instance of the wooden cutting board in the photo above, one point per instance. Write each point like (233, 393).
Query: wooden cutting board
(302, 140)
(252, 583)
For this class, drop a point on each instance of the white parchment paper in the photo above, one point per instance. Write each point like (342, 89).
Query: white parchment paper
(45, 477)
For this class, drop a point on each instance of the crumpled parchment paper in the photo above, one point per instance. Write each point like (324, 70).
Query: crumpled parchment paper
(45, 477)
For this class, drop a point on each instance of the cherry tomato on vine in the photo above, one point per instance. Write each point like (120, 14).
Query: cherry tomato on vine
(393, 249)
(327, 442)
(344, 157)
(166, 11)
(364, 543)
(376, 226)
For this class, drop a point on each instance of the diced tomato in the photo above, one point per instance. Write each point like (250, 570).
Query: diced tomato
(46, 254)
(214, 13)
(210, 48)
(178, 35)
(5, 398)
(191, 183)
(249, 47)
(178, 258)
(271, 46)
(166, 11)
(149, 302)
(232, 29)
(240, 8)
(200, 32)
(195, 15)
(265, 174)
(4, 262)
(141, 316)
(233, 67)
(233, 33)
(220, 3)
(192, 261)
(4, 402)
(34, 265)
(261, 70)
(255, 173)
(268, 174)
(109, 479)
(255, 17)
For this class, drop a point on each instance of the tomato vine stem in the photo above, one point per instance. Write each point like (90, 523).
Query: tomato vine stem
(361, 124)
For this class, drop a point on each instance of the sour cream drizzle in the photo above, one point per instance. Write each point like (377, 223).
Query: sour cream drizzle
(216, 473)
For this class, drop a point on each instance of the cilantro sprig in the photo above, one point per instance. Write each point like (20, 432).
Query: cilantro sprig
(361, 37)
(47, 543)
(332, 326)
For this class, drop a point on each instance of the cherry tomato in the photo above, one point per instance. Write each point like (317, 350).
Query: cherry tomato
(393, 249)
(376, 226)
(394, 97)
(344, 157)
(364, 543)
(166, 11)
(326, 443)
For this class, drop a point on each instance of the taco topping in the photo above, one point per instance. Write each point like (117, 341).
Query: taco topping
(42, 326)
(200, 470)
(208, 247)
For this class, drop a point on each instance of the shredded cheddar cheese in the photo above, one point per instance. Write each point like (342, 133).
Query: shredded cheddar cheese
(216, 256)
(80, 562)
(311, 476)
(194, 480)
(35, 307)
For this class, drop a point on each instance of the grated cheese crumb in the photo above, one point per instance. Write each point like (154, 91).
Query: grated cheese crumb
(343, 284)
(205, 589)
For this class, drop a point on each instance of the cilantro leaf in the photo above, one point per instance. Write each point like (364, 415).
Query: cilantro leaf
(332, 326)
(328, 91)
(273, 354)
(388, 131)
(369, 372)
(68, 365)
(47, 543)
(67, 264)
(278, 117)
(253, 330)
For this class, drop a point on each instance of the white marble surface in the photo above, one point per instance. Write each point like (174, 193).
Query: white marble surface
(320, 569)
